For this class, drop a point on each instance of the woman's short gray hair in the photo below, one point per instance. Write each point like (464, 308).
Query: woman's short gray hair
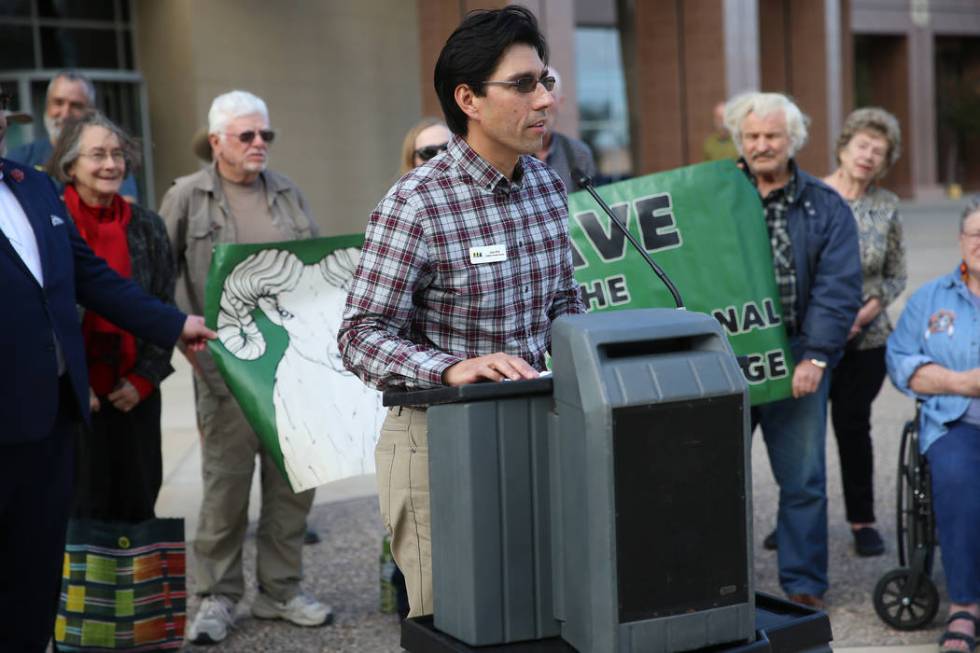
(231, 105)
(762, 105)
(876, 120)
(67, 148)
(972, 206)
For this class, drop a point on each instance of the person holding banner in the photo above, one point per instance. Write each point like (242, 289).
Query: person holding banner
(237, 200)
(868, 146)
(818, 275)
(436, 300)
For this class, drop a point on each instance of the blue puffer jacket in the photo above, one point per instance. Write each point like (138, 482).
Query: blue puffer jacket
(828, 269)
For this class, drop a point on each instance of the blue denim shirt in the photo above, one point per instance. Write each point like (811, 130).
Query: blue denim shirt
(940, 324)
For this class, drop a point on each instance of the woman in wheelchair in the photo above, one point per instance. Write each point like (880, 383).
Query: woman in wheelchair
(934, 355)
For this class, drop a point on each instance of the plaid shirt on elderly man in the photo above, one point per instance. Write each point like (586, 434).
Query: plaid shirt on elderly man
(776, 205)
(419, 304)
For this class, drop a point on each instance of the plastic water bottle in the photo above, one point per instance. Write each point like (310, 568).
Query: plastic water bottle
(389, 598)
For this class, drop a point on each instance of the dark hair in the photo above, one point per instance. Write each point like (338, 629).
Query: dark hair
(66, 148)
(474, 50)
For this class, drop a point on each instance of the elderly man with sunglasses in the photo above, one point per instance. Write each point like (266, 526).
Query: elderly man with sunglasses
(466, 262)
(238, 200)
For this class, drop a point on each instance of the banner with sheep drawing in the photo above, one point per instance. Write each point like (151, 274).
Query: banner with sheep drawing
(277, 308)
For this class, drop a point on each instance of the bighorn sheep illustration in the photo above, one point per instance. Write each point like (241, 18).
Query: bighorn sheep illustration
(326, 418)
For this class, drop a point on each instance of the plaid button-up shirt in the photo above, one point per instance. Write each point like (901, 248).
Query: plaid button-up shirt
(419, 304)
(776, 205)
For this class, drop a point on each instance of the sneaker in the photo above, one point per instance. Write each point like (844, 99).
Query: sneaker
(867, 542)
(302, 610)
(213, 620)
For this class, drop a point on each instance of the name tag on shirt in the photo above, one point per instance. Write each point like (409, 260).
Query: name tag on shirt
(488, 254)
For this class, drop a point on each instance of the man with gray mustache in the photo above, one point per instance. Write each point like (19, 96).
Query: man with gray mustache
(818, 275)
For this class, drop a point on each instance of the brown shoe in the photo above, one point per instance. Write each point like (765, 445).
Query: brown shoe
(809, 600)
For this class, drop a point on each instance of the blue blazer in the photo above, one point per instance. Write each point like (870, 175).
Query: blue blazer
(36, 315)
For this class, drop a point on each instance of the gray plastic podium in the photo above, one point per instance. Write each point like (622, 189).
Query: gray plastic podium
(609, 505)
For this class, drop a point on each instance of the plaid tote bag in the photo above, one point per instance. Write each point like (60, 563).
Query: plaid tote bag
(122, 587)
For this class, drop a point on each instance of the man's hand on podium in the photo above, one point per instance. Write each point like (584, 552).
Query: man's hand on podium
(493, 367)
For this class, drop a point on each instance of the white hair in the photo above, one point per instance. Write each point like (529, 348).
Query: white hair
(231, 105)
(762, 105)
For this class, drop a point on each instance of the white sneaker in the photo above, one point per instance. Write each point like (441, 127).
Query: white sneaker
(302, 610)
(213, 620)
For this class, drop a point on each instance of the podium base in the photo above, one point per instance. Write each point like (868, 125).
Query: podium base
(780, 627)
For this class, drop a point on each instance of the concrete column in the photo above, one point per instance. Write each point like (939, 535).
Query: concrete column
(741, 46)
(922, 133)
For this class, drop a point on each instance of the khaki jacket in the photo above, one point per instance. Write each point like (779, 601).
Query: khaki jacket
(198, 217)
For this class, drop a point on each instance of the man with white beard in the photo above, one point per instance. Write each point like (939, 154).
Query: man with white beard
(70, 94)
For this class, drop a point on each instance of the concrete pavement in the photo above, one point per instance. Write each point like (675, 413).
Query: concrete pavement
(344, 568)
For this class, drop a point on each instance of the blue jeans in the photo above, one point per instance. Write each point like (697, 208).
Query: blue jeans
(954, 460)
(795, 433)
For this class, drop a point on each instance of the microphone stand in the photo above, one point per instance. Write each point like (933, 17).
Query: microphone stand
(584, 181)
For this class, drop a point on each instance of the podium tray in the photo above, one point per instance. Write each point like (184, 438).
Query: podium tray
(471, 392)
(780, 627)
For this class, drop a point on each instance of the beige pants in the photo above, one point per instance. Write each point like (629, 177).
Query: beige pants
(402, 458)
(227, 463)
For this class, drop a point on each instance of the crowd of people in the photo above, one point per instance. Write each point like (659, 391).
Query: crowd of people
(838, 257)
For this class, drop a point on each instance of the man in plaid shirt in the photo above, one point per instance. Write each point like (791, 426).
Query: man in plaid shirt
(465, 264)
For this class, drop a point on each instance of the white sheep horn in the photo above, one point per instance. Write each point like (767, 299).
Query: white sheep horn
(263, 274)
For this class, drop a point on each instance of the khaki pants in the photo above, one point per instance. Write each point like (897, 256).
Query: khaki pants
(227, 462)
(402, 459)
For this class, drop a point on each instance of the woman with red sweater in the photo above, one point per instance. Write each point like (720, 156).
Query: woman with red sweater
(119, 470)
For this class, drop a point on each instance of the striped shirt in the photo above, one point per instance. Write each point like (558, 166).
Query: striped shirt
(419, 303)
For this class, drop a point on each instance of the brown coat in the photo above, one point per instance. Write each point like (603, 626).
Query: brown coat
(197, 218)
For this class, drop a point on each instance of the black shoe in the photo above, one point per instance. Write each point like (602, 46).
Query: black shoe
(769, 544)
(311, 537)
(867, 542)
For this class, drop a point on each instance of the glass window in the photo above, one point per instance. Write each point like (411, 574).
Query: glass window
(15, 8)
(78, 48)
(18, 48)
(85, 9)
(603, 114)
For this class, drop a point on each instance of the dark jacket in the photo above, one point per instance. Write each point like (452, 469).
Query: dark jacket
(828, 269)
(29, 385)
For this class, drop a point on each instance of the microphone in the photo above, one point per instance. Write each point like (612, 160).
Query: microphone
(584, 181)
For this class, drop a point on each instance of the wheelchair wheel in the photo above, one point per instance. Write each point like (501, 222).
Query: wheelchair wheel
(901, 611)
(915, 523)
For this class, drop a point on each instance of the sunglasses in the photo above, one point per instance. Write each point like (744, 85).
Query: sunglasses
(527, 84)
(247, 136)
(429, 151)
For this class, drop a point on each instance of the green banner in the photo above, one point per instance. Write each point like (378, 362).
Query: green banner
(277, 308)
(704, 225)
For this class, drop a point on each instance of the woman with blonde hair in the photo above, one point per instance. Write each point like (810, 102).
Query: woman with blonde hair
(426, 139)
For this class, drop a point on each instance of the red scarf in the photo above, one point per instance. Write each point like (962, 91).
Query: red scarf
(111, 352)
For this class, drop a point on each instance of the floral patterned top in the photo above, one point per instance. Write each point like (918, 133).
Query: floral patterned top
(882, 259)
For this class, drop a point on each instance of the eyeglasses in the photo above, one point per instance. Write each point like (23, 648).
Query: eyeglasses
(100, 156)
(527, 84)
(246, 137)
(971, 235)
(429, 151)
